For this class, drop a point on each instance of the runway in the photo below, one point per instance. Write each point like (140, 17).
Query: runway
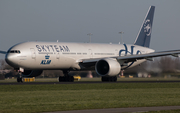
(83, 82)
(122, 110)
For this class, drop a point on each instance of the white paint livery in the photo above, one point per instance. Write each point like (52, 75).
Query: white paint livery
(31, 58)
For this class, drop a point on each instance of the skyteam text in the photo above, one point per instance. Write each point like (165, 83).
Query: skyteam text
(52, 48)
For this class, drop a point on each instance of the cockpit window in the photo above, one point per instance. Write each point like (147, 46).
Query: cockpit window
(14, 51)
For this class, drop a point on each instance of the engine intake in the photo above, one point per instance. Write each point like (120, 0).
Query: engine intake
(108, 66)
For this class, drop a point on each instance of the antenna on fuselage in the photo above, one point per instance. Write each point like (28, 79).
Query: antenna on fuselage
(89, 37)
(121, 37)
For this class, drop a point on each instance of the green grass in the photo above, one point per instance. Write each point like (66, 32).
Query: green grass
(58, 97)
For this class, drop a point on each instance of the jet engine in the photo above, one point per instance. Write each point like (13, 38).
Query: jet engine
(108, 66)
(31, 73)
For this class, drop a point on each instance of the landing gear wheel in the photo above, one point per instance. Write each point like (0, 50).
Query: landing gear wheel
(109, 79)
(71, 79)
(19, 79)
(66, 77)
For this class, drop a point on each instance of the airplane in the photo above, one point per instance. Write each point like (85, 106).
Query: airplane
(31, 58)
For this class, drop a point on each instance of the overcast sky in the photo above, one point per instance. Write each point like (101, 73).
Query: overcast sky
(72, 20)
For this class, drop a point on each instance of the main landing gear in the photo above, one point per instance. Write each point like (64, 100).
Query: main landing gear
(109, 79)
(66, 77)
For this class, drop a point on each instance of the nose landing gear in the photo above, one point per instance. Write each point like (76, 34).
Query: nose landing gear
(19, 70)
(20, 78)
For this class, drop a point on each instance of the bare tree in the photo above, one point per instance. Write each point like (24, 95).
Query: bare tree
(2, 63)
(177, 64)
(167, 64)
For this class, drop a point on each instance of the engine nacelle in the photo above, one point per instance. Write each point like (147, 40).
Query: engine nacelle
(108, 66)
(31, 73)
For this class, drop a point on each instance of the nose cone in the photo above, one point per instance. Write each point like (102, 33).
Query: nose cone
(11, 59)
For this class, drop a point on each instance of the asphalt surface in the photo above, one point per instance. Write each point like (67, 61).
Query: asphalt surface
(83, 82)
(121, 110)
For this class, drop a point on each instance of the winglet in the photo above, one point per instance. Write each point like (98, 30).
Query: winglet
(144, 35)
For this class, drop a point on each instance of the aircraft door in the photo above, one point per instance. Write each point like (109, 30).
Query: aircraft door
(33, 53)
(57, 56)
(90, 53)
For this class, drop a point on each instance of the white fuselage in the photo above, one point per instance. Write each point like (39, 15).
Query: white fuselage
(57, 55)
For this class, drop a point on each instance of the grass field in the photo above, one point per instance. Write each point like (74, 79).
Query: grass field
(58, 97)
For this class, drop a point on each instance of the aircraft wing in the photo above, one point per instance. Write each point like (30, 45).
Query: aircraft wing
(3, 52)
(130, 58)
(149, 55)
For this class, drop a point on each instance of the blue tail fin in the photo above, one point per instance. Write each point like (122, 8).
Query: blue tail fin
(144, 35)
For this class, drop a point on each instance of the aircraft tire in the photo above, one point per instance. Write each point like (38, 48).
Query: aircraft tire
(115, 79)
(60, 79)
(19, 79)
(103, 79)
(66, 79)
(109, 79)
(71, 79)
